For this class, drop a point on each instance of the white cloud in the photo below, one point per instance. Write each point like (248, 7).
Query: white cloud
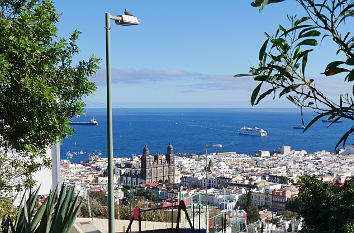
(195, 81)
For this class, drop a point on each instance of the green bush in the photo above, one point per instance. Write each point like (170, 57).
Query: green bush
(56, 214)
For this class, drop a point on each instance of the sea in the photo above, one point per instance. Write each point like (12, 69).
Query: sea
(190, 130)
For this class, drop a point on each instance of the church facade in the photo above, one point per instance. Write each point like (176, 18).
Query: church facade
(153, 169)
(158, 168)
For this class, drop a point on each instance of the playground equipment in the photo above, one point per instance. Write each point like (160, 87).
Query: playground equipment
(181, 206)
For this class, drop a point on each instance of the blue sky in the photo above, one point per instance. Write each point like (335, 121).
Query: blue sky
(184, 53)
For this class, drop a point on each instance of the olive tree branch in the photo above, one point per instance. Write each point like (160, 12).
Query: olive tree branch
(335, 36)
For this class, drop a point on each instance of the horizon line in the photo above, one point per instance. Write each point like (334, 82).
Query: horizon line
(192, 108)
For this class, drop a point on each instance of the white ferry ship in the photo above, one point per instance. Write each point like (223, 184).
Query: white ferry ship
(255, 131)
(93, 122)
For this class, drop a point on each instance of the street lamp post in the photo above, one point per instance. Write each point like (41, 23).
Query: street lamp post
(207, 182)
(125, 20)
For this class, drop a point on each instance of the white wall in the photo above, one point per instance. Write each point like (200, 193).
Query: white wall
(46, 178)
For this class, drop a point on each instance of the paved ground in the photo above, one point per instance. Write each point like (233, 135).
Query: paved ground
(87, 227)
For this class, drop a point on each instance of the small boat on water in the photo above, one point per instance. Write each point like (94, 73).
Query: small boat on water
(302, 121)
(255, 131)
(93, 122)
(331, 120)
(299, 127)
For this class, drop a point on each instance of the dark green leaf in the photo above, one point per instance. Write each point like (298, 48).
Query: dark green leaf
(288, 89)
(324, 36)
(300, 21)
(263, 3)
(283, 71)
(296, 53)
(302, 54)
(262, 50)
(310, 33)
(350, 61)
(311, 42)
(258, 3)
(261, 78)
(340, 100)
(263, 95)
(345, 137)
(334, 64)
(333, 121)
(255, 93)
(297, 28)
(279, 42)
(289, 97)
(242, 75)
(334, 70)
(346, 36)
(315, 119)
(276, 58)
(350, 76)
(305, 30)
(304, 62)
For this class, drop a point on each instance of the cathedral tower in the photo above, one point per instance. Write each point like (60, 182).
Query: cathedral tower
(170, 157)
(145, 162)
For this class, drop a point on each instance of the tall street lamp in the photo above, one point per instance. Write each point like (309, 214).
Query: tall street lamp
(207, 182)
(125, 20)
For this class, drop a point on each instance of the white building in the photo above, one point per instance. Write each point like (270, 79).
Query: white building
(261, 199)
(130, 176)
(190, 181)
(285, 150)
(349, 150)
(264, 153)
(46, 178)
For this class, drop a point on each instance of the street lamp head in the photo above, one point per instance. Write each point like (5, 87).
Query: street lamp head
(126, 20)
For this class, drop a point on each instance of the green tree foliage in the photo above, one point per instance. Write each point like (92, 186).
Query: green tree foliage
(288, 215)
(293, 206)
(122, 212)
(84, 210)
(326, 207)
(252, 213)
(284, 56)
(284, 180)
(247, 200)
(100, 196)
(6, 208)
(251, 209)
(40, 87)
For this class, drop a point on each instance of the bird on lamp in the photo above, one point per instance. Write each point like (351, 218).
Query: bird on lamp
(127, 12)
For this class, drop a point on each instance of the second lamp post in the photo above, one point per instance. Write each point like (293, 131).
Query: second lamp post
(207, 183)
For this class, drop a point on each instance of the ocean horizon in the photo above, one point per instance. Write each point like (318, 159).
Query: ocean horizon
(190, 129)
